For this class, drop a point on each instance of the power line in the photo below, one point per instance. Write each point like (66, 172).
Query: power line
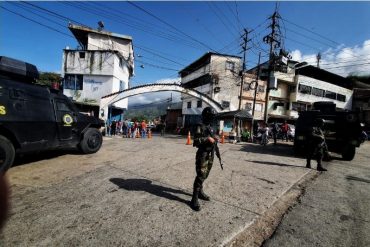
(168, 24)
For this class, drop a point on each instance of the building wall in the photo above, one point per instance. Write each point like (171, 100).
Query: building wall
(103, 73)
(304, 80)
(248, 96)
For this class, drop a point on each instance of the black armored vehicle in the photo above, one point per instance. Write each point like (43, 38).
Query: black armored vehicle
(35, 118)
(342, 129)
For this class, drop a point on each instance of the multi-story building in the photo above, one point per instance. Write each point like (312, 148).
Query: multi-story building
(103, 64)
(295, 87)
(219, 76)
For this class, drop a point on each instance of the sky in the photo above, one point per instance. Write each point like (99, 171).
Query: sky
(168, 36)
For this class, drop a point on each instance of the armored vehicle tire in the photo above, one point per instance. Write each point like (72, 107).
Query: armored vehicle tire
(7, 154)
(348, 153)
(91, 141)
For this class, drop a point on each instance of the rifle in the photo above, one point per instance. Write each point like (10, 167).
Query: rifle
(217, 150)
(218, 154)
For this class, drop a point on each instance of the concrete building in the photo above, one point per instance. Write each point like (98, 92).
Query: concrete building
(296, 87)
(218, 76)
(103, 64)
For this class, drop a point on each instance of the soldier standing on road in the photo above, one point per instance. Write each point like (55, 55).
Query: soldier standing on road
(204, 140)
(316, 144)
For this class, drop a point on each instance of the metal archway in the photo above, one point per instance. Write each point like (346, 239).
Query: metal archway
(112, 98)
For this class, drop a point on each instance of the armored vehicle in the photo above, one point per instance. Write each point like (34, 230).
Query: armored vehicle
(35, 118)
(342, 129)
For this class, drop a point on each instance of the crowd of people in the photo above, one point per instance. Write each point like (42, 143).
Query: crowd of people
(131, 129)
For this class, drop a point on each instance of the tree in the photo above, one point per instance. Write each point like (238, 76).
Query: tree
(47, 78)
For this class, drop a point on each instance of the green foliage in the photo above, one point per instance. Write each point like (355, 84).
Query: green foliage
(146, 113)
(364, 78)
(47, 78)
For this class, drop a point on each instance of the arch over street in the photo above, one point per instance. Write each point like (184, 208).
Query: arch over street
(112, 98)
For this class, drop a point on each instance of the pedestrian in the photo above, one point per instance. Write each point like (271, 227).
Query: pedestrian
(265, 133)
(204, 140)
(284, 131)
(274, 130)
(163, 128)
(113, 127)
(316, 145)
(143, 129)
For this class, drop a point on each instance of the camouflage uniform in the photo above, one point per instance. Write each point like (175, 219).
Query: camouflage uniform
(316, 145)
(203, 160)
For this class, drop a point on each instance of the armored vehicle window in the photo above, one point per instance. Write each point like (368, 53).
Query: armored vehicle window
(63, 106)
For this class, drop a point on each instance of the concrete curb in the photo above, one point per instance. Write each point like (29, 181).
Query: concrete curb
(262, 228)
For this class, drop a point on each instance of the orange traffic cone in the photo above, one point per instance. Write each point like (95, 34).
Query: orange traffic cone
(222, 137)
(188, 142)
(149, 134)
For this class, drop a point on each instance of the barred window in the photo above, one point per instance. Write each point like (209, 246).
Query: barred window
(199, 104)
(261, 89)
(318, 92)
(230, 65)
(189, 105)
(304, 89)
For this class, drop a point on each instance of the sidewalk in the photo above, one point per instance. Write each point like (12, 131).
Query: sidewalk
(136, 193)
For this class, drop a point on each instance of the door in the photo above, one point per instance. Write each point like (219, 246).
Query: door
(66, 120)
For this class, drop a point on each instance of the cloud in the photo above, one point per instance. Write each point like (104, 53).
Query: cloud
(148, 98)
(342, 60)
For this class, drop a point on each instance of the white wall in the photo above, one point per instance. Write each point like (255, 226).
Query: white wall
(300, 79)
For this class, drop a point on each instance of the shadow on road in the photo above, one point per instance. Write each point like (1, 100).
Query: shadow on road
(358, 179)
(148, 186)
(274, 163)
(280, 149)
(23, 159)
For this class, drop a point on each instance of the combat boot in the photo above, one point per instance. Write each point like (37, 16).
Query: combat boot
(320, 168)
(194, 203)
(203, 195)
(308, 164)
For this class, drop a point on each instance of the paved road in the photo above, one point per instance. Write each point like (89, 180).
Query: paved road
(335, 208)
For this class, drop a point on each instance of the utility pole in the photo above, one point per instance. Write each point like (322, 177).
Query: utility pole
(274, 40)
(255, 94)
(318, 57)
(244, 50)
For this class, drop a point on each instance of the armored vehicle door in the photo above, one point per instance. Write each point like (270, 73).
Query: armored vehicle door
(66, 119)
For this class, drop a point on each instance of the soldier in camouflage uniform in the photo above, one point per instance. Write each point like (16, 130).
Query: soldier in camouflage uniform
(204, 140)
(316, 144)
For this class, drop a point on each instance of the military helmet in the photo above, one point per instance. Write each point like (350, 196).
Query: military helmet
(319, 122)
(208, 114)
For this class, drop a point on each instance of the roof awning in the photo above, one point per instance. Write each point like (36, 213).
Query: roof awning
(239, 114)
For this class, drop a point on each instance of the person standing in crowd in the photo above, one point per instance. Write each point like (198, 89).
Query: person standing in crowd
(124, 128)
(113, 127)
(274, 130)
(284, 131)
(204, 140)
(143, 129)
(316, 145)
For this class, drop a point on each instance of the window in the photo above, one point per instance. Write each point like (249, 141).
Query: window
(230, 65)
(318, 92)
(62, 106)
(121, 62)
(189, 105)
(225, 104)
(199, 103)
(248, 106)
(74, 82)
(82, 54)
(304, 89)
(121, 85)
(258, 107)
(330, 95)
(261, 89)
(341, 97)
